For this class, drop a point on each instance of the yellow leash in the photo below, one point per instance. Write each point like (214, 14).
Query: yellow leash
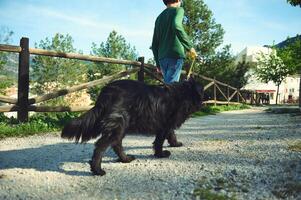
(190, 69)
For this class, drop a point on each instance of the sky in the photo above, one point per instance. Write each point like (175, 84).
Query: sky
(246, 23)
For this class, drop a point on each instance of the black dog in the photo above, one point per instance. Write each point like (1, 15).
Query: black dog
(130, 106)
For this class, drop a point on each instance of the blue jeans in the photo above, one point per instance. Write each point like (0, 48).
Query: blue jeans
(171, 69)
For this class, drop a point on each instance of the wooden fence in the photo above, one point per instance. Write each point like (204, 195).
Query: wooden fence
(23, 104)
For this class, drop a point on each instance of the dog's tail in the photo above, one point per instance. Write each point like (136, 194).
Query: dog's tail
(85, 127)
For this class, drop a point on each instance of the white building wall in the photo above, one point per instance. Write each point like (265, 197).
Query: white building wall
(290, 86)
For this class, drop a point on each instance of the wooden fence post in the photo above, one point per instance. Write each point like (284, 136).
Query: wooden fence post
(214, 88)
(141, 72)
(23, 80)
(237, 95)
(228, 94)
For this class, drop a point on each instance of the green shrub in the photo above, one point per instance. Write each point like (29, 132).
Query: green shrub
(38, 123)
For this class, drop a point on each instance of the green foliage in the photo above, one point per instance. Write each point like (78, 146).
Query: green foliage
(207, 36)
(203, 193)
(115, 47)
(5, 38)
(212, 110)
(270, 67)
(223, 68)
(296, 146)
(5, 83)
(50, 73)
(199, 23)
(291, 56)
(38, 123)
(294, 2)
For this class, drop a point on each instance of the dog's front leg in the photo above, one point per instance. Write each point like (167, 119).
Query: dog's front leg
(158, 146)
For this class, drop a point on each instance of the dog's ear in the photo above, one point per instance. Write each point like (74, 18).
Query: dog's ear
(200, 89)
(197, 86)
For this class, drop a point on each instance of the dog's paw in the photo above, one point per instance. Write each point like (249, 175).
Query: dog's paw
(128, 159)
(177, 144)
(96, 170)
(163, 154)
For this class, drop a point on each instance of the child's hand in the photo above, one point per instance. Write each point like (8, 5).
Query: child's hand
(192, 53)
(158, 70)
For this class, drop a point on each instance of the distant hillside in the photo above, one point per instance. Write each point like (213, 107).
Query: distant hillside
(288, 41)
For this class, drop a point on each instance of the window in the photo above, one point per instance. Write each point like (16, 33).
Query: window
(272, 95)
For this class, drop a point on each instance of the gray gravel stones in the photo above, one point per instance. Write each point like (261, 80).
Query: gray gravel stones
(238, 154)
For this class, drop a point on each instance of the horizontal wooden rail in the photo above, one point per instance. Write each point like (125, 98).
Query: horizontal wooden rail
(10, 48)
(43, 52)
(10, 108)
(221, 102)
(32, 108)
(59, 108)
(25, 105)
(6, 99)
(80, 87)
(216, 81)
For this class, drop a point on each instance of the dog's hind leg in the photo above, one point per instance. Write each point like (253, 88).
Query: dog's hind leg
(172, 139)
(158, 146)
(100, 147)
(118, 149)
(112, 133)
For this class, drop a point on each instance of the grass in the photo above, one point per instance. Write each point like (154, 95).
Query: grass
(290, 189)
(209, 189)
(203, 193)
(53, 122)
(212, 110)
(283, 109)
(38, 124)
(296, 146)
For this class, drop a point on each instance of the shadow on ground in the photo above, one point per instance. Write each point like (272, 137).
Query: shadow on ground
(52, 157)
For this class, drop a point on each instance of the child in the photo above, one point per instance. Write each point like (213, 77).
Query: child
(170, 41)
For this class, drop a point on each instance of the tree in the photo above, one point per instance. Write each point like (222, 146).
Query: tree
(270, 67)
(199, 23)
(207, 36)
(294, 2)
(297, 3)
(291, 55)
(222, 66)
(5, 38)
(114, 47)
(50, 73)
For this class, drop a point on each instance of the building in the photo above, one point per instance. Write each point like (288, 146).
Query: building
(266, 92)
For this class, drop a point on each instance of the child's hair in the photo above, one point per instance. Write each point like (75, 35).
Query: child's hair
(170, 1)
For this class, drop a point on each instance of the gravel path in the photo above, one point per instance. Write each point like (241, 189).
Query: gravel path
(240, 154)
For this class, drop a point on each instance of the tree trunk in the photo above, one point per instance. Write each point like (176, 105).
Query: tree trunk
(300, 92)
(277, 94)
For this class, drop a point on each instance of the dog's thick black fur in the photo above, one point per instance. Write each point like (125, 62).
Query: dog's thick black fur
(130, 106)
